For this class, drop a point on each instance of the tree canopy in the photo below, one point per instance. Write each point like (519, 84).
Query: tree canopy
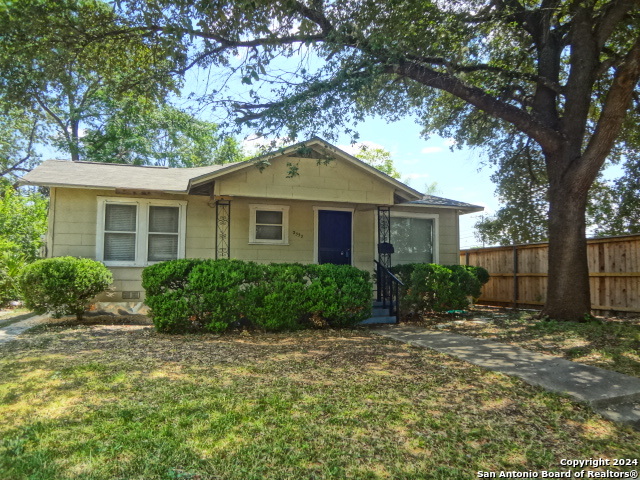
(20, 132)
(148, 134)
(378, 158)
(50, 70)
(487, 72)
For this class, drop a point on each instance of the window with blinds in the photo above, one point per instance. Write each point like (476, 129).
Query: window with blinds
(120, 232)
(136, 232)
(269, 224)
(163, 233)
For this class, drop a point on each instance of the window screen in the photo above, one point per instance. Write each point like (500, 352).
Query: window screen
(120, 232)
(412, 239)
(163, 233)
(269, 225)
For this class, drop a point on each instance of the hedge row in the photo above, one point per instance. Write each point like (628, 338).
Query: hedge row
(429, 287)
(189, 294)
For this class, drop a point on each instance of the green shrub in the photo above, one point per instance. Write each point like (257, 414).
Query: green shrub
(63, 285)
(12, 262)
(216, 294)
(339, 294)
(430, 287)
(165, 284)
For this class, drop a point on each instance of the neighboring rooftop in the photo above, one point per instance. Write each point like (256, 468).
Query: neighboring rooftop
(65, 173)
(432, 200)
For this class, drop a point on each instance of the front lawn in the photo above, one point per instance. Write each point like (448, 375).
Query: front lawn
(123, 402)
(610, 343)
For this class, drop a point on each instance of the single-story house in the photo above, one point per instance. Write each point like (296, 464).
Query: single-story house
(337, 209)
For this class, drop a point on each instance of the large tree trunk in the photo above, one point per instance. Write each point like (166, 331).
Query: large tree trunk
(568, 294)
(74, 146)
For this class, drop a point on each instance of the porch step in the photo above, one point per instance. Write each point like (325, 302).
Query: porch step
(379, 314)
(377, 320)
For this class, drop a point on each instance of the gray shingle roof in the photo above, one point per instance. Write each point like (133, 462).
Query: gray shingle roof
(432, 200)
(111, 175)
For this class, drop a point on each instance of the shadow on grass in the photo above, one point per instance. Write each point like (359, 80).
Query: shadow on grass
(105, 402)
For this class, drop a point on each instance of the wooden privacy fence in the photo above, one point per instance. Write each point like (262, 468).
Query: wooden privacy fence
(519, 273)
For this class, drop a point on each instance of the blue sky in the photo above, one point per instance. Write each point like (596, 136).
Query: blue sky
(420, 162)
(458, 173)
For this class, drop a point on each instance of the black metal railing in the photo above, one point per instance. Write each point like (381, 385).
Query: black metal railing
(388, 289)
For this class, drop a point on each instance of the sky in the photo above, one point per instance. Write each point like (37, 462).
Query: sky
(458, 173)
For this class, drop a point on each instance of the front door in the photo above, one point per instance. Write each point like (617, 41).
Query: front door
(334, 237)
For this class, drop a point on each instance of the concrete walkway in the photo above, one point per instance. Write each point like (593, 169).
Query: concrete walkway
(613, 395)
(12, 331)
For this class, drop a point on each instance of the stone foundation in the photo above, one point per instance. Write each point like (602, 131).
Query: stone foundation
(120, 308)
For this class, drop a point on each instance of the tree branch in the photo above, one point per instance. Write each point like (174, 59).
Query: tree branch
(483, 67)
(545, 136)
(58, 120)
(315, 15)
(609, 19)
(17, 165)
(613, 113)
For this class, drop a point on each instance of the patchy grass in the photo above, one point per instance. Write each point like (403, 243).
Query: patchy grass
(14, 315)
(610, 343)
(123, 402)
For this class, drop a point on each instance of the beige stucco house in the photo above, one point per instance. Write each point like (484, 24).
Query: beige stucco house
(337, 210)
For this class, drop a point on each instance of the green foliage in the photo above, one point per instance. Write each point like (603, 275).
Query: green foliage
(141, 133)
(429, 287)
(522, 186)
(51, 65)
(12, 262)
(23, 219)
(217, 294)
(63, 285)
(19, 133)
(617, 211)
(23, 222)
(378, 158)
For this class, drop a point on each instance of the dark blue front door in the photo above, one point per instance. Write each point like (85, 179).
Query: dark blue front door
(334, 237)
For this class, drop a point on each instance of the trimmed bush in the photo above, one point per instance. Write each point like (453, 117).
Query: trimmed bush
(430, 287)
(339, 294)
(63, 285)
(217, 294)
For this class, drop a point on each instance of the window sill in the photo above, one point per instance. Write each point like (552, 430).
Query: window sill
(269, 243)
(132, 264)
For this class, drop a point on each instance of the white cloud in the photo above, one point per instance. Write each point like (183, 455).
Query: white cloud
(429, 150)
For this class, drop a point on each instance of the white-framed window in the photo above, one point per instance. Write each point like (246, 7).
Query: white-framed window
(414, 237)
(269, 224)
(138, 232)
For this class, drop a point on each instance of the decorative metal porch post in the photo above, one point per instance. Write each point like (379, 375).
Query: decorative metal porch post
(223, 225)
(384, 254)
(384, 234)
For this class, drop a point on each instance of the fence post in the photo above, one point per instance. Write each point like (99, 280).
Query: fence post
(515, 276)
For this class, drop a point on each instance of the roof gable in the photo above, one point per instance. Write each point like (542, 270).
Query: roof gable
(317, 149)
